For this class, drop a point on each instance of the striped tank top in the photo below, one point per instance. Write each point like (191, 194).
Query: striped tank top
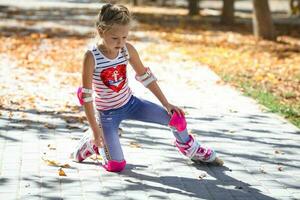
(110, 82)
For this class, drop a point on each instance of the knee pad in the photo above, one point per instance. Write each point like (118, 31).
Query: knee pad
(178, 122)
(114, 165)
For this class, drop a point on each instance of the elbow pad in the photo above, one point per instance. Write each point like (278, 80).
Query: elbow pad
(146, 78)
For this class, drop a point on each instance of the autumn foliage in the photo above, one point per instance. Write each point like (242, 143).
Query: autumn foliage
(237, 57)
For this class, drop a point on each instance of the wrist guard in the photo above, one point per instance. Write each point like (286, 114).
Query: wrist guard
(82, 91)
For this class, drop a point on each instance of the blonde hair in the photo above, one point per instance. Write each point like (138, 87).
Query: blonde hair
(111, 14)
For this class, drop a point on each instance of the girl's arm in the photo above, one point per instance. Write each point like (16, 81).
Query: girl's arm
(87, 76)
(140, 70)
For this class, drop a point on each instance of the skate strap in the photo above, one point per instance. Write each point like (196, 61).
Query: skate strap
(190, 152)
(189, 148)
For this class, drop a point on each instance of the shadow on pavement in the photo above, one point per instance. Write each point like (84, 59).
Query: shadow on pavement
(189, 187)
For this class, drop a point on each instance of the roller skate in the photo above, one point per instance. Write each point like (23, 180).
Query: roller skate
(198, 153)
(84, 149)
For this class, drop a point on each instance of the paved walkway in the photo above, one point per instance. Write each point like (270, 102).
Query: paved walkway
(261, 150)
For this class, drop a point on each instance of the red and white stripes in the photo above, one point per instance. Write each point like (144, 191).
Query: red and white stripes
(110, 83)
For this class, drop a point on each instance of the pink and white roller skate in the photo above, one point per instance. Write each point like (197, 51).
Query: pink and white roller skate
(84, 149)
(198, 153)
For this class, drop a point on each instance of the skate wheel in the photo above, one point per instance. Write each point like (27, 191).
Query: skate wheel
(219, 161)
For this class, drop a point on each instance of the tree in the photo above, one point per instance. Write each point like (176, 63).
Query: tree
(295, 7)
(135, 2)
(193, 7)
(227, 16)
(262, 21)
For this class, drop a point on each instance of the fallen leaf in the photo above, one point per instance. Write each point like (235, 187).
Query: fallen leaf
(55, 163)
(262, 170)
(10, 115)
(279, 152)
(239, 187)
(61, 172)
(51, 162)
(65, 165)
(202, 176)
(120, 132)
(72, 126)
(134, 145)
(51, 147)
(50, 126)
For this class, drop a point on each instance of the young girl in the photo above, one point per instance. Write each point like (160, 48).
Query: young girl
(105, 86)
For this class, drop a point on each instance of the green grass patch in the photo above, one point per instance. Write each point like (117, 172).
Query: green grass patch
(269, 100)
(272, 102)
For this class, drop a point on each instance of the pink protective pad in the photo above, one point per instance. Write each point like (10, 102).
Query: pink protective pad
(79, 95)
(178, 122)
(115, 166)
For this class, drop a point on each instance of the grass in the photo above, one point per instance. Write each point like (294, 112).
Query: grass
(272, 102)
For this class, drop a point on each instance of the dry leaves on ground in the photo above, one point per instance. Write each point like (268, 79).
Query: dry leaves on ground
(55, 163)
(134, 145)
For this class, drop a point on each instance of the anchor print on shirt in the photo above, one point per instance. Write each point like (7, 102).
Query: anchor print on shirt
(114, 77)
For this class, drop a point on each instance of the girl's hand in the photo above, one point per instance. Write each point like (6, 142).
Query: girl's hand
(171, 108)
(98, 140)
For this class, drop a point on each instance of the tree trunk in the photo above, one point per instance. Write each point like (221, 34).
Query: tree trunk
(262, 21)
(227, 16)
(193, 7)
(295, 7)
(135, 2)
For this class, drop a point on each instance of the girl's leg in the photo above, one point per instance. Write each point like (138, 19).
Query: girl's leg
(113, 158)
(112, 152)
(146, 111)
(111, 139)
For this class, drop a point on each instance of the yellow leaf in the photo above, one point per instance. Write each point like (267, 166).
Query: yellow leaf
(51, 162)
(134, 145)
(65, 165)
(258, 78)
(61, 172)
(55, 163)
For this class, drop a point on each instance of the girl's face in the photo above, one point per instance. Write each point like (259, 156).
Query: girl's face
(115, 38)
